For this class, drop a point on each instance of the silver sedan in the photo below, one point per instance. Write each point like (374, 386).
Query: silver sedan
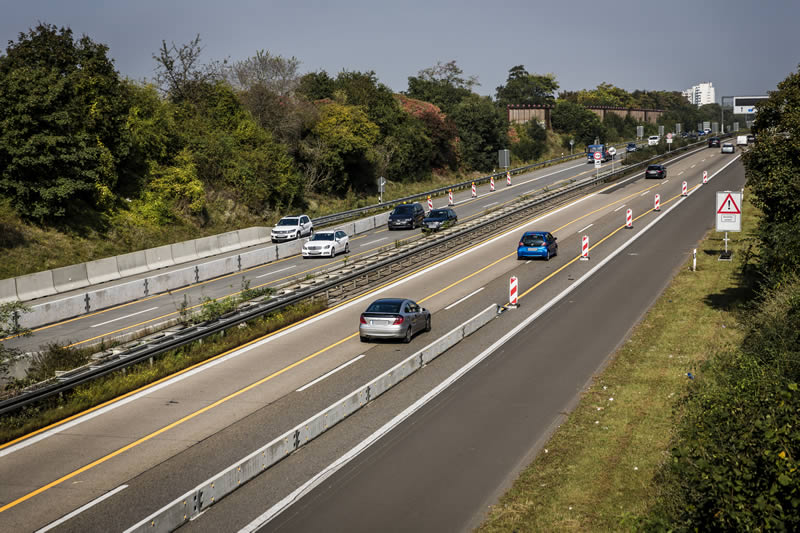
(393, 318)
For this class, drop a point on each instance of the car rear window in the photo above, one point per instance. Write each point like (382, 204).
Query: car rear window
(533, 240)
(384, 307)
(653, 167)
(438, 213)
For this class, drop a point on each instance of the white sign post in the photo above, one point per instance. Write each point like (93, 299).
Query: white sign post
(729, 216)
(669, 141)
(598, 158)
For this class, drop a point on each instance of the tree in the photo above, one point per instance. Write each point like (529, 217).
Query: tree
(179, 73)
(316, 86)
(63, 112)
(376, 99)
(482, 131)
(442, 85)
(532, 141)
(773, 174)
(528, 89)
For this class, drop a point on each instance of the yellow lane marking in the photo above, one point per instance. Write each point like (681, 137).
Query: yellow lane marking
(275, 374)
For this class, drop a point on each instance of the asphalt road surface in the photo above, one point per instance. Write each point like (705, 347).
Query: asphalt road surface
(141, 452)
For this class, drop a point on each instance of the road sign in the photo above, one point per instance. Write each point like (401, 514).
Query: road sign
(729, 212)
(598, 159)
(612, 150)
(669, 138)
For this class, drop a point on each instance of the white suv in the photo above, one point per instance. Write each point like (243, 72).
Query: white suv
(653, 140)
(293, 227)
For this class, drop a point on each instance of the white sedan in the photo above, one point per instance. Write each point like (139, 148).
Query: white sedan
(327, 244)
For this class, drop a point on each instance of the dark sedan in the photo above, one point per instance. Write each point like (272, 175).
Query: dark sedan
(655, 171)
(713, 142)
(439, 219)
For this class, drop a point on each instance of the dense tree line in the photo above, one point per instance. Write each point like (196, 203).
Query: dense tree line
(734, 462)
(78, 141)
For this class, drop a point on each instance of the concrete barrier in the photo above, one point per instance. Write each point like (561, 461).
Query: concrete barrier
(288, 249)
(253, 236)
(195, 501)
(217, 268)
(183, 251)
(206, 246)
(228, 241)
(365, 224)
(36, 285)
(102, 270)
(349, 228)
(170, 280)
(381, 220)
(8, 290)
(116, 295)
(50, 312)
(159, 257)
(69, 278)
(259, 256)
(132, 263)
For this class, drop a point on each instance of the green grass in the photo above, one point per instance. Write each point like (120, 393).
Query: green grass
(596, 472)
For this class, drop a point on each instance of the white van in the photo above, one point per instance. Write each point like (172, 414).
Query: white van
(741, 140)
(653, 140)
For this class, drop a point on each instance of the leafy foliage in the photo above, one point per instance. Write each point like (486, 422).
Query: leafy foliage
(63, 135)
(522, 88)
(532, 141)
(443, 85)
(482, 132)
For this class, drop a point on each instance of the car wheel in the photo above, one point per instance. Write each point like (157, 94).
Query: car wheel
(333, 252)
(364, 339)
(408, 336)
(347, 248)
(547, 256)
(428, 323)
(519, 258)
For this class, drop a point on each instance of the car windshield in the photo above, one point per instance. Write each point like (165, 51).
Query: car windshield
(322, 237)
(403, 210)
(631, 144)
(653, 167)
(288, 222)
(533, 240)
(438, 213)
(384, 307)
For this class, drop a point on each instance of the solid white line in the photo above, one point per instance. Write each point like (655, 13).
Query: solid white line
(124, 317)
(462, 299)
(275, 271)
(584, 229)
(493, 203)
(286, 502)
(332, 372)
(373, 242)
(359, 301)
(644, 193)
(79, 510)
(620, 207)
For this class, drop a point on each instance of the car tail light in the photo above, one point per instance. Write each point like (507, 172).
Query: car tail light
(520, 243)
(398, 321)
(362, 320)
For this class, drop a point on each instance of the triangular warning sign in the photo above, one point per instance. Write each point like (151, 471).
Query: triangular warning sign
(729, 207)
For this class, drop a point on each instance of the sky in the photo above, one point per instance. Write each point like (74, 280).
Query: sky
(743, 47)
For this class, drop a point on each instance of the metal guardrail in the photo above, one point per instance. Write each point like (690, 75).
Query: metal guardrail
(191, 334)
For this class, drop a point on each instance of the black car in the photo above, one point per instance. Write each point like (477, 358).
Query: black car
(631, 147)
(713, 142)
(751, 138)
(655, 171)
(438, 219)
(407, 216)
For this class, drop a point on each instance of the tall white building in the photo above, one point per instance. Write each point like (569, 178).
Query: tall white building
(701, 94)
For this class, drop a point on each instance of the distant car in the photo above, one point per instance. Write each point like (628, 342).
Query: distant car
(727, 148)
(655, 171)
(653, 140)
(293, 227)
(631, 147)
(393, 318)
(684, 134)
(700, 133)
(537, 244)
(741, 140)
(407, 216)
(327, 244)
(751, 138)
(713, 142)
(439, 219)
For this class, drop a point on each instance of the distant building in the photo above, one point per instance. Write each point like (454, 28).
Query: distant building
(701, 94)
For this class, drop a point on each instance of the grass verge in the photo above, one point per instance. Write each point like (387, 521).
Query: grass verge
(125, 381)
(596, 472)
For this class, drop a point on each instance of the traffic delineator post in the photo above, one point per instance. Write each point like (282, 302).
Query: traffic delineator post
(684, 189)
(474, 190)
(629, 219)
(657, 203)
(585, 248)
(705, 176)
(512, 292)
(491, 183)
(508, 179)
(430, 202)
(450, 197)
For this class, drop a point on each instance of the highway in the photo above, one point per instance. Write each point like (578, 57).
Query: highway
(145, 450)
(154, 310)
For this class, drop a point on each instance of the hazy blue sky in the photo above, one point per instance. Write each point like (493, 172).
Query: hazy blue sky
(743, 47)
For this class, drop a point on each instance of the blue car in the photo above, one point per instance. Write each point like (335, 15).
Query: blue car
(537, 244)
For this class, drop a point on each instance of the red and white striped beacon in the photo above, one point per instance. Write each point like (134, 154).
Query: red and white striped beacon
(629, 219)
(474, 190)
(508, 179)
(491, 183)
(657, 203)
(430, 202)
(585, 248)
(450, 197)
(684, 189)
(705, 176)
(512, 291)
